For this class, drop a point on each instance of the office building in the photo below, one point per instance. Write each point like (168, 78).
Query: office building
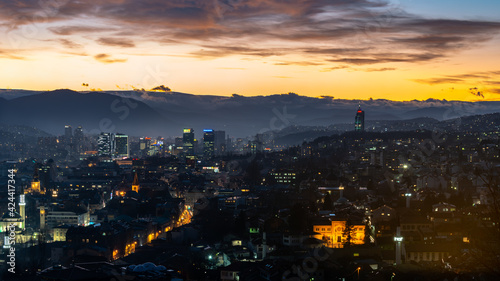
(121, 146)
(188, 142)
(78, 139)
(208, 142)
(219, 142)
(105, 144)
(68, 132)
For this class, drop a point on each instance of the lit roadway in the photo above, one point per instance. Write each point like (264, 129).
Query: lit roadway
(184, 218)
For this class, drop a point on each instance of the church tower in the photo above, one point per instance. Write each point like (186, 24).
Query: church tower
(135, 184)
(35, 183)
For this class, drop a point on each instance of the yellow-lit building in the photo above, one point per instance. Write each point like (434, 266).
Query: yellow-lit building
(59, 233)
(35, 183)
(334, 236)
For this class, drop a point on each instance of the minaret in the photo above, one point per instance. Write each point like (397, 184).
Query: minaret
(22, 211)
(135, 184)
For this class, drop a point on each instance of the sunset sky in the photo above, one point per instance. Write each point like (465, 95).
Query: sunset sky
(352, 49)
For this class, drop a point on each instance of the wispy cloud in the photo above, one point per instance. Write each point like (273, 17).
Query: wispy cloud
(79, 30)
(379, 69)
(105, 58)
(434, 81)
(11, 54)
(116, 42)
(69, 44)
(483, 77)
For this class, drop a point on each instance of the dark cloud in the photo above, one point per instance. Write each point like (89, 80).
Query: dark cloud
(116, 42)
(161, 88)
(355, 32)
(105, 58)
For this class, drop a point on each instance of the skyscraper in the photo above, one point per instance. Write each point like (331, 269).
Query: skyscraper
(208, 142)
(220, 142)
(121, 145)
(359, 120)
(78, 139)
(188, 141)
(68, 133)
(105, 144)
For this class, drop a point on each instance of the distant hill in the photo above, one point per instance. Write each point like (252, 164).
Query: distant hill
(96, 112)
(166, 113)
(23, 130)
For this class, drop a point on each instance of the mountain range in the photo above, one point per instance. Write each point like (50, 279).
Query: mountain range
(141, 113)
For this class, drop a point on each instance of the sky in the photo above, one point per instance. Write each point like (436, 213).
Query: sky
(349, 49)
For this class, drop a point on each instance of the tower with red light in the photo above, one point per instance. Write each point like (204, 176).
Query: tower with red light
(359, 120)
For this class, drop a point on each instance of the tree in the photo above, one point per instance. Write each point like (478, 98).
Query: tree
(297, 221)
(348, 232)
(488, 249)
(240, 224)
(252, 173)
(368, 232)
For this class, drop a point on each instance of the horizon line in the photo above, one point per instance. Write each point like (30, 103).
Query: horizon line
(232, 95)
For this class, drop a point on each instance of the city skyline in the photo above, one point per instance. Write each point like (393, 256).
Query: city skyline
(249, 140)
(339, 48)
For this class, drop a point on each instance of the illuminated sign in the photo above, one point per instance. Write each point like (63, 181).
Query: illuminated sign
(398, 239)
(187, 131)
(208, 130)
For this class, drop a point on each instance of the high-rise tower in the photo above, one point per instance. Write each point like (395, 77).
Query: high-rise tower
(106, 144)
(359, 120)
(121, 145)
(68, 132)
(188, 142)
(208, 142)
